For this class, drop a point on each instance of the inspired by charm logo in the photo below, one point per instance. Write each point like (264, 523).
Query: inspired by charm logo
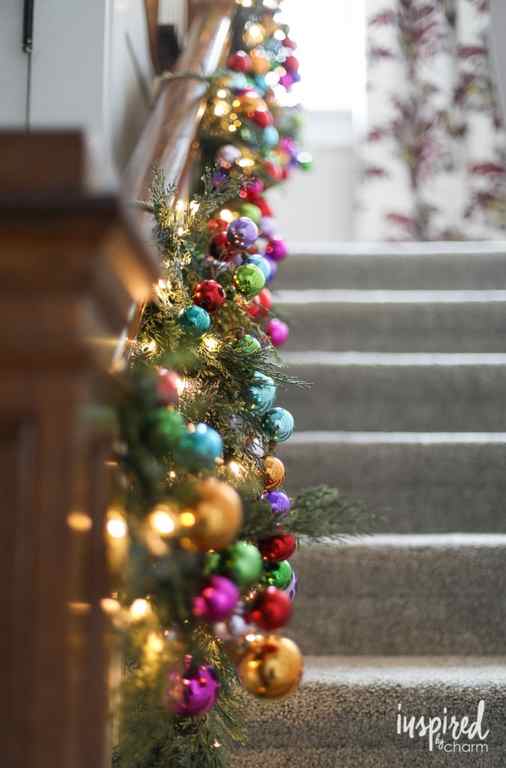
(447, 733)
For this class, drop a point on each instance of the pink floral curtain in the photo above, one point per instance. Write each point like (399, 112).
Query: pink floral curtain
(434, 162)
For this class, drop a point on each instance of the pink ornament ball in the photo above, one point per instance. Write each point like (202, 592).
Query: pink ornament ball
(166, 386)
(276, 249)
(278, 332)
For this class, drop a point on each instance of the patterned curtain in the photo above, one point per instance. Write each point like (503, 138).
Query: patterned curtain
(434, 161)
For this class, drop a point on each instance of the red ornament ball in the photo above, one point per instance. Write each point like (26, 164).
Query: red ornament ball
(272, 609)
(219, 247)
(209, 294)
(262, 118)
(279, 547)
(264, 206)
(239, 62)
(291, 64)
(261, 304)
(217, 225)
(166, 386)
(273, 170)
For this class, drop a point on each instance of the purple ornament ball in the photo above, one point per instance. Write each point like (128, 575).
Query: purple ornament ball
(193, 692)
(278, 332)
(217, 599)
(267, 226)
(219, 178)
(279, 502)
(276, 249)
(228, 155)
(274, 269)
(242, 232)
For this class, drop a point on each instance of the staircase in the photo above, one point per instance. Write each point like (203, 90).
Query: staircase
(405, 347)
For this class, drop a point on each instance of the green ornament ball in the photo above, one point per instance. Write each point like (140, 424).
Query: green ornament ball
(279, 424)
(252, 212)
(305, 161)
(248, 345)
(249, 280)
(243, 563)
(164, 429)
(278, 575)
(262, 393)
(195, 320)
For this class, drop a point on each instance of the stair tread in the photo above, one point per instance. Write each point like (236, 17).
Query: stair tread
(402, 438)
(394, 359)
(383, 296)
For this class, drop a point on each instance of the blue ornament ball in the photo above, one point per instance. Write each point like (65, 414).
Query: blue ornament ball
(262, 393)
(270, 136)
(195, 319)
(200, 448)
(262, 263)
(279, 424)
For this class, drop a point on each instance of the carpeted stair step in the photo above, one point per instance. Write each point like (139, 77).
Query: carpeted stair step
(345, 715)
(402, 595)
(412, 482)
(394, 321)
(362, 391)
(402, 266)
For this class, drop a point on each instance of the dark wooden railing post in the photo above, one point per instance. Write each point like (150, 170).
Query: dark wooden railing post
(71, 266)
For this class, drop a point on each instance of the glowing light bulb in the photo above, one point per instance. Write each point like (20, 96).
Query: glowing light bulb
(222, 93)
(162, 520)
(246, 162)
(187, 519)
(154, 644)
(116, 525)
(110, 606)
(211, 343)
(226, 215)
(254, 34)
(235, 468)
(221, 108)
(139, 609)
(79, 521)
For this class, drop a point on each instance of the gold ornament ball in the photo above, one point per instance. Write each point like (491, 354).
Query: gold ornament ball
(274, 471)
(271, 667)
(260, 64)
(218, 516)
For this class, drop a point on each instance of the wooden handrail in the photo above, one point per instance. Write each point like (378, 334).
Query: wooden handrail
(170, 131)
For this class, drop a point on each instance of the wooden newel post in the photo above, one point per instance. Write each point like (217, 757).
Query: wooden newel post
(71, 268)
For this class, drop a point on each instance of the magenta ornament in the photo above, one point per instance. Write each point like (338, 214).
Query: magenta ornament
(276, 249)
(194, 692)
(217, 599)
(278, 332)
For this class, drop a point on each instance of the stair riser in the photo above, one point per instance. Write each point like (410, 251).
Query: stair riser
(396, 327)
(437, 398)
(400, 600)
(395, 271)
(409, 487)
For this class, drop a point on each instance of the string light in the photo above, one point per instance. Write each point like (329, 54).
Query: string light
(110, 606)
(254, 34)
(227, 215)
(187, 519)
(116, 525)
(139, 609)
(236, 469)
(79, 521)
(154, 645)
(211, 343)
(163, 520)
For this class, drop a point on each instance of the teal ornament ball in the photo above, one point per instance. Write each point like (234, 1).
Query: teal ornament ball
(195, 320)
(278, 575)
(248, 345)
(200, 448)
(279, 424)
(262, 393)
(249, 280)
(251, 211)
(270, 136)
(243, 563)
(262, 263)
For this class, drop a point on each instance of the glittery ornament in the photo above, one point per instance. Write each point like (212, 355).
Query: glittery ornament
(199, 448)
(193, 692)
(274, 473)
(249, 280)
(278, 332)
(217, 599)
(278, 547)
(242, 232)
(279, 501)
(209, 294)
(248, 345)
(279, 424)
(195, 320)
(271, 667)
(262, 393)
(271, 609)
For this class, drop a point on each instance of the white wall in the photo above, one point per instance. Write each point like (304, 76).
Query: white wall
(13, 65)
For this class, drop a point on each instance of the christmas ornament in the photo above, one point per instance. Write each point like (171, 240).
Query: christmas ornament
(251, 211)
(216, 600)
(291, 590)
(263, 118)
(243, 563)
(270, 136)
(166, 386)
(267, 226)
(239, 61)
(305, 161)
(279, 424)
(249, 280)
(262, 264)
(220, 247)
(199, 448)
(216, 519)
(192, 693)
(248, 345)
(276, 249)
(209, 294)
(164, 429)
(279, 501)
(274, 473)
(260, 63)
(291, 64)
(227, 155)
(261, 304)
(271, 609)
(242, 232)
(278, 547)
(278, 575)
(262, 393)
(195, 320)
(278, 332)
(271, 667)
(252, 189)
